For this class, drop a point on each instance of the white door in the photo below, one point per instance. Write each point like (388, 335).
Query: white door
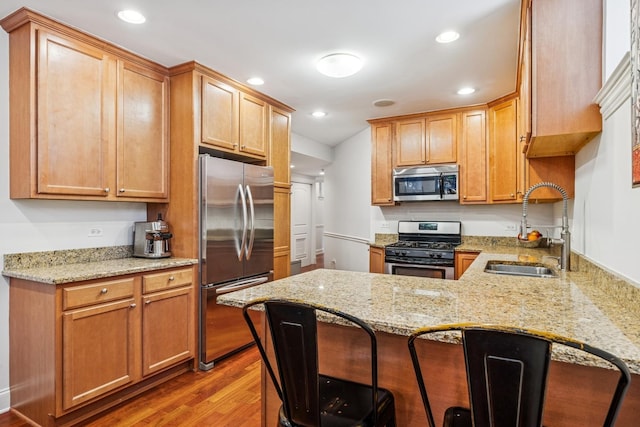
(301, 223)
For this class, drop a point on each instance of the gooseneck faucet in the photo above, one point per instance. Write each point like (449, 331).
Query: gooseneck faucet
(565, 235)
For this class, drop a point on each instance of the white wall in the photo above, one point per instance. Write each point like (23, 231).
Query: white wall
(38, 225)
(606, 206)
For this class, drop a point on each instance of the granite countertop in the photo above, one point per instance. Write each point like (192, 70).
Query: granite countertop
(575, 305)
(68, 266)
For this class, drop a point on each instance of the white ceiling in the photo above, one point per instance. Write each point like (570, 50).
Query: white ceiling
(280, 40)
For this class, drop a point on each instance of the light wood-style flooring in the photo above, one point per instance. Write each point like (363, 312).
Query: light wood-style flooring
(228, 395)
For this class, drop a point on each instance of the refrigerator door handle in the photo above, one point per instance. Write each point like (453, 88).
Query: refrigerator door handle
(249, 247)
(241, 246)
(241, 285)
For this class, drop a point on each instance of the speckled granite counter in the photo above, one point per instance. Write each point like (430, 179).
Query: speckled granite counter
(573, 304)
(59, 267)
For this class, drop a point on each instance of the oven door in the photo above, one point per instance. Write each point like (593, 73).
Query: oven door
(420, 270)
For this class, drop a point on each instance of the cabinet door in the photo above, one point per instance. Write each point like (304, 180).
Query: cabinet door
(281, 232)
(98, 350)
(410, 143)
(462, 261)
(219, 114)
(442, 139)
(381, 164)
(376, 260)
(503, 152)
(75, 117)
(280, 145)
(253, 125)
(473, 157)
(143, 145)
(167, 328)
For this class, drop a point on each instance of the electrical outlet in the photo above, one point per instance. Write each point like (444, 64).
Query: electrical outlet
(510, 227)
(384, 225)
(96, 232)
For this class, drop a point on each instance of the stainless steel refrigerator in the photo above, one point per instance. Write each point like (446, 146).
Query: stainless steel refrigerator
(236, 248)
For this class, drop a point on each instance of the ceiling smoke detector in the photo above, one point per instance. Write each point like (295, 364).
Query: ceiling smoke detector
(384, 102)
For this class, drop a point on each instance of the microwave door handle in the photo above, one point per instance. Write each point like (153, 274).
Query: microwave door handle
(252, 218)
(441, 186)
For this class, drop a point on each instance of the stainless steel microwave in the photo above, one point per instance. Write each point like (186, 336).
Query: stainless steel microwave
(424, 183)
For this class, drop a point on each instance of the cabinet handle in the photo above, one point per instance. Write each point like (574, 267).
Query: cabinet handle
(147, 302)
(121, 190)
(171, 278)
(133, 305)
(106, 190)
(104, 290)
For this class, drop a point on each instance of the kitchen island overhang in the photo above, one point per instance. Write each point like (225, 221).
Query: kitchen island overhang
(571, 305)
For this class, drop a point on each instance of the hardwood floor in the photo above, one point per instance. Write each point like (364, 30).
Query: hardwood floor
(228, 395)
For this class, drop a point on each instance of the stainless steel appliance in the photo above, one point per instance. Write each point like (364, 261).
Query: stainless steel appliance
(424, 183)
(151, 239)
(424, 248)
(236, 248)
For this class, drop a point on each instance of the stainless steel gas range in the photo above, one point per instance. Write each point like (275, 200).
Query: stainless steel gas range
(424, 248)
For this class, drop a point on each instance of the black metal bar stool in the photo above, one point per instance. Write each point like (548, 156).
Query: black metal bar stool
(507, 375)
(309, 398)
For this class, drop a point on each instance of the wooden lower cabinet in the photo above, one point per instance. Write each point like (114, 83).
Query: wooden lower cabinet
(78, 349)
(376, 259)
(462, 261)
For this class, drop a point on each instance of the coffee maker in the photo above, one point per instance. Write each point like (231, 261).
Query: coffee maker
(151, 239)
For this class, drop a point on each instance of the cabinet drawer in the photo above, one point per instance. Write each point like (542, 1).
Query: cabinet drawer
(166, 280)
(78, 296)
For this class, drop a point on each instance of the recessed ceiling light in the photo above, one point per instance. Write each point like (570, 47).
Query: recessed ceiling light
(383, 102)
(447, 37)
(466, 91)
(131, 16)
(256, 81)
(339, 65)
(321, 171)
(318, 114)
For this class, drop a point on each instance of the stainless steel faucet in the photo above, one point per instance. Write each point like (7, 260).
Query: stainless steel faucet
(565, 235)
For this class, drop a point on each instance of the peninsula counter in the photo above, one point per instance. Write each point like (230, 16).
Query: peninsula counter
(573, 305)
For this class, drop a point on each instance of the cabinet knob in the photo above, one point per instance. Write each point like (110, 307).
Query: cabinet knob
(512, 195)
(106, 190)
(171, 278)
(147, 302)
(104, 290)
(121, 190)
(464, 197)
(133, 305)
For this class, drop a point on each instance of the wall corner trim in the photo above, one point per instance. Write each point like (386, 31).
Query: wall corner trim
(617, 89)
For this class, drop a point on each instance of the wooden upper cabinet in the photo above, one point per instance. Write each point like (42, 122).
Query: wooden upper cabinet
(429, 139)
(381, 164)
(473, 157)
(280, 145)
(503, 152)
(87, 119)
(232, 120)
(220, 109)
(253, 125)
(566, 70)
(441, 138)
(143, 143)
(75, 115)
(410, 142)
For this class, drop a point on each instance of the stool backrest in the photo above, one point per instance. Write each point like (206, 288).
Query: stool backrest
(507, 372)
(293, 327)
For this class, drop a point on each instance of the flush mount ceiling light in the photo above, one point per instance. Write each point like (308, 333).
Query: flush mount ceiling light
(339, 65)
(255, 81)
(447, 37)
(131, 16)
(318, 114)
(466, 91)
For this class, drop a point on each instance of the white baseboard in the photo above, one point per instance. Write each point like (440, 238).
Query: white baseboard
(5, 401)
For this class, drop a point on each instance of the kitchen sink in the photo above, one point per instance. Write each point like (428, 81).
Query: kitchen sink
(519, 269)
